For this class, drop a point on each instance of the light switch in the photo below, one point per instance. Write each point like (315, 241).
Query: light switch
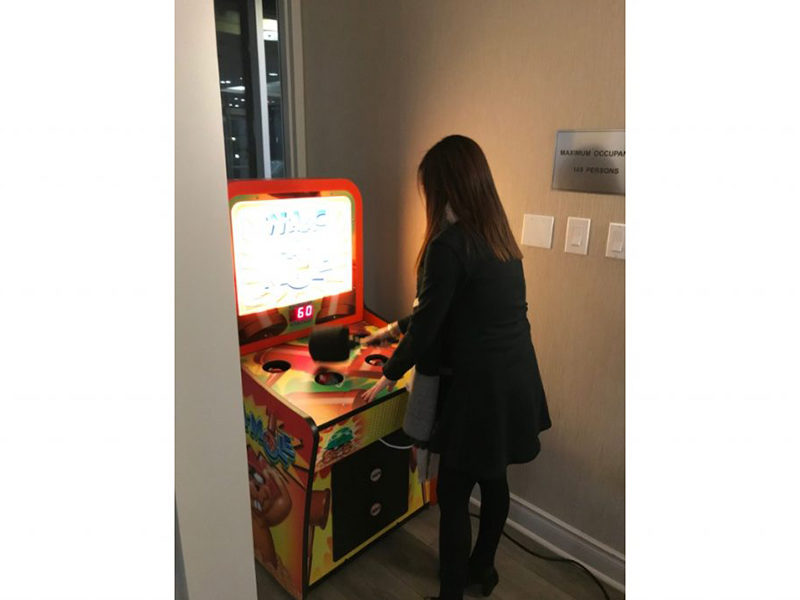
(577, 236)
(537, 230)
(615, 245)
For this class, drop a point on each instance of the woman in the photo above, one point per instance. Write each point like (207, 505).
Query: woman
(469, 326)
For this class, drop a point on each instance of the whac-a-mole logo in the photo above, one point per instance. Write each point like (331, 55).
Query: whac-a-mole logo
(340, 437)
(339, 444)
(288, 222)
(277, 444)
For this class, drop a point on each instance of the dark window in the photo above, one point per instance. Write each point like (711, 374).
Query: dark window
(250, 87)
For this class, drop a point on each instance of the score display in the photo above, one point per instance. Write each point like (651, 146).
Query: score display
(302, 313)
(290, 252)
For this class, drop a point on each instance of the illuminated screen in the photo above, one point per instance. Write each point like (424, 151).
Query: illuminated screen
(291, 251)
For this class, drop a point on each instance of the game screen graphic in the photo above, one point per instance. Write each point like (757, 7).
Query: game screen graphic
(291, 251)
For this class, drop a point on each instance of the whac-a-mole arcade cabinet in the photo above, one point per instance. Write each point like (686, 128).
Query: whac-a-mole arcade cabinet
(329, 474)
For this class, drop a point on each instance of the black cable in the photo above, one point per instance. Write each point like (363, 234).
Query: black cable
(554, 559)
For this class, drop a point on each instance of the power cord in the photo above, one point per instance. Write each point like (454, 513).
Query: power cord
(554, 559)
(393, 447)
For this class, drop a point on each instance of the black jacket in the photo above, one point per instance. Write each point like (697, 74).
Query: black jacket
(471, 327)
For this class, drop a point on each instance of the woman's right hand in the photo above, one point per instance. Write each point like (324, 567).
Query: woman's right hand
(382, 337)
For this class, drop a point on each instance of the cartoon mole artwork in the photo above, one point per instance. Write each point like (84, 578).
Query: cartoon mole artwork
(270, 504)
(339, 444)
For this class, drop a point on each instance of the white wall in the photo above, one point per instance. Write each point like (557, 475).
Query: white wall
(386, 80)
(210, 461)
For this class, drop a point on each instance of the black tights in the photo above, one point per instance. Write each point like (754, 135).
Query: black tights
(455, 533)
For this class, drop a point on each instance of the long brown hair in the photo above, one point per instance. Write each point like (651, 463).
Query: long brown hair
(455, 173)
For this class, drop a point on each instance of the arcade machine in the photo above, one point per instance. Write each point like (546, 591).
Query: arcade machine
(329, 474)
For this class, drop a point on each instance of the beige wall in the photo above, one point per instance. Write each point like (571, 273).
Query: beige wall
(384, 80)
(211, 493)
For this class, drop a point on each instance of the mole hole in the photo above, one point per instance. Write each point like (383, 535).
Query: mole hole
(329, 378)
(376, 360)
(276, 366)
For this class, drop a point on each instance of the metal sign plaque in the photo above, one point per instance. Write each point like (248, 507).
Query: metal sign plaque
(590, 161)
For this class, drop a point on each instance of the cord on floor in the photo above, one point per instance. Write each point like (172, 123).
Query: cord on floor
(554, 559)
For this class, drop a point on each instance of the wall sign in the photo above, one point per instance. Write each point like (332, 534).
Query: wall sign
(590, 161)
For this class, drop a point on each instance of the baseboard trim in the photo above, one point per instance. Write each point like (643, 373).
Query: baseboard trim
(607, 564)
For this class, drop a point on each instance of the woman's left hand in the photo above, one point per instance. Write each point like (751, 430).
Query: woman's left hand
(384, 383)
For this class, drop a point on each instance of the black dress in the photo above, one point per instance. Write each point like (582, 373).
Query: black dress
(471, 327)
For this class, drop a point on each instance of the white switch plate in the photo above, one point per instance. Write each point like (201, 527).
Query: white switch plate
(577, 236)
(615, 245)
(537, 230)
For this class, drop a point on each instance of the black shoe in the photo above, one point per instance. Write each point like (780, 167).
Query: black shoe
(487, 578)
